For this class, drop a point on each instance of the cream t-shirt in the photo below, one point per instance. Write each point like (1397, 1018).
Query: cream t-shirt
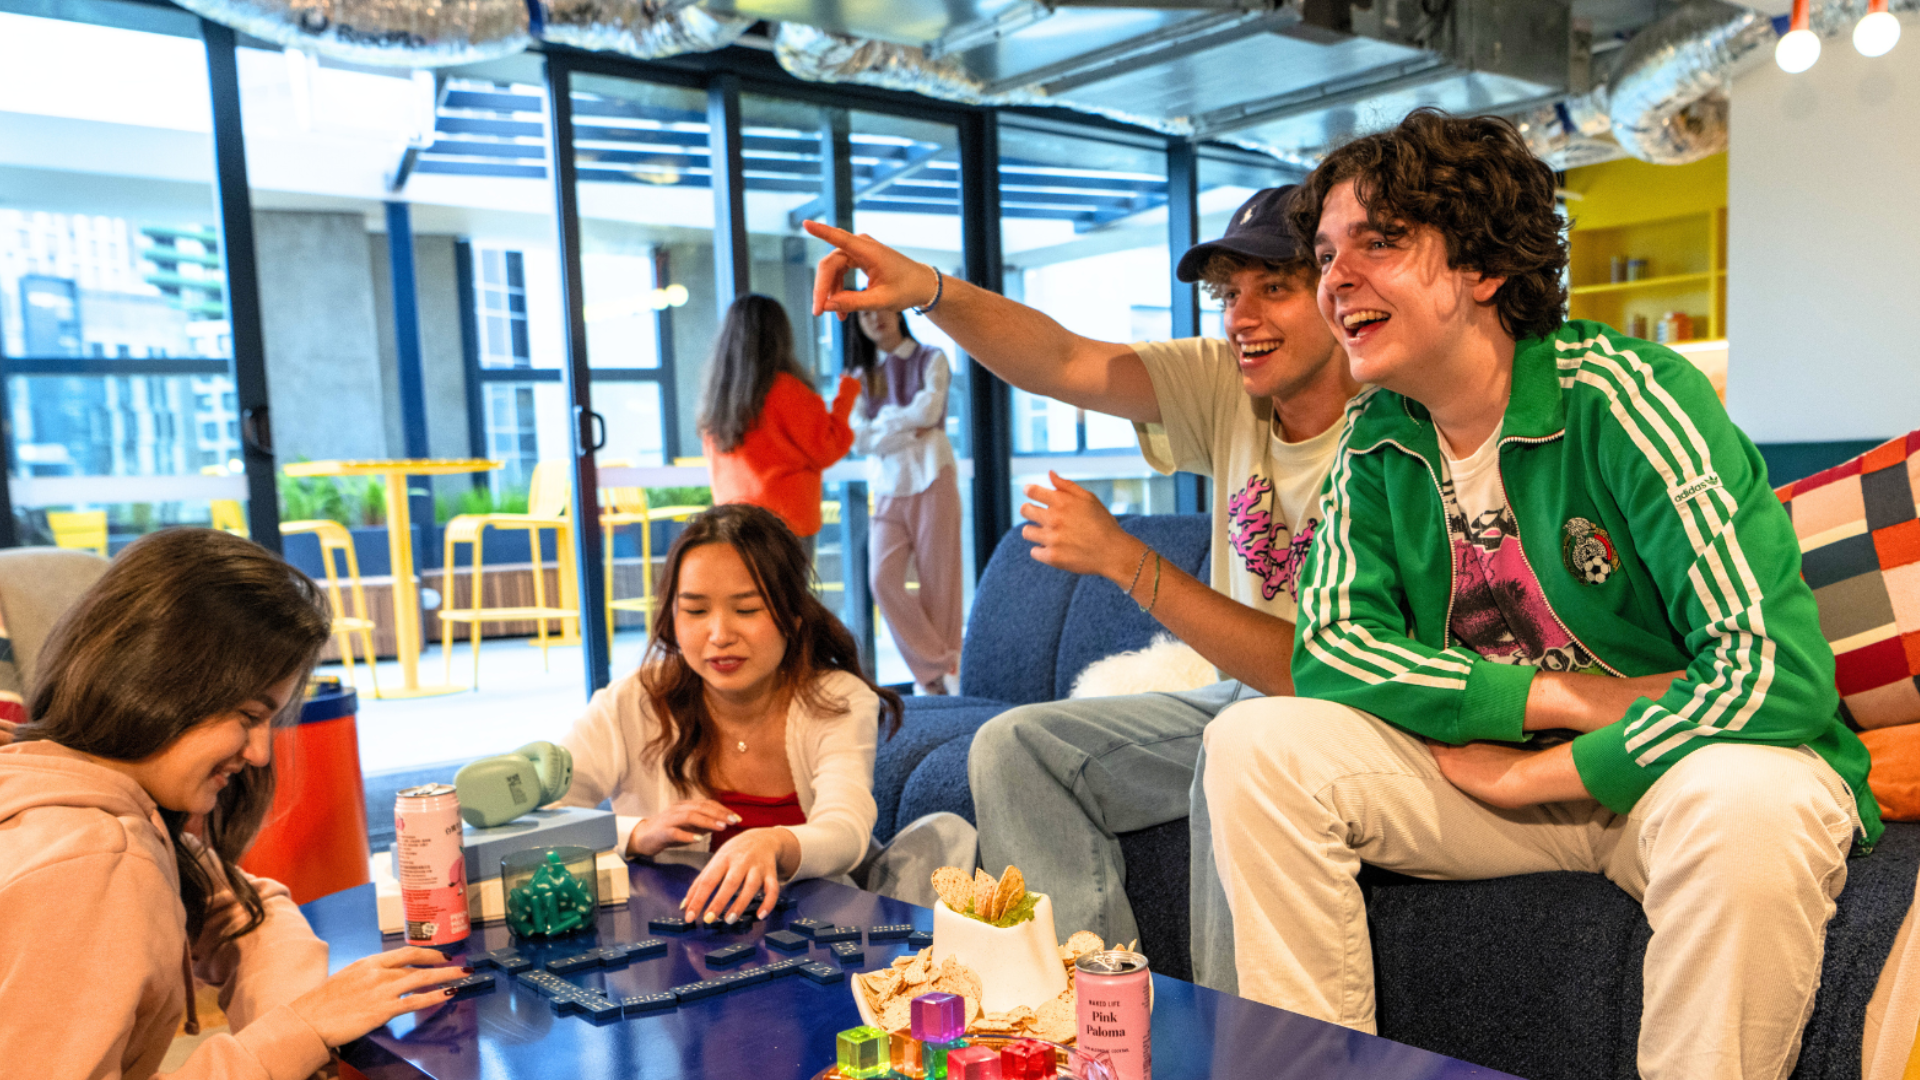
(1266, 492)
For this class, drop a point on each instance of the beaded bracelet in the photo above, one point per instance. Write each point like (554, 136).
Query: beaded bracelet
(939, 287)
(1154, 601)
(1137, 567)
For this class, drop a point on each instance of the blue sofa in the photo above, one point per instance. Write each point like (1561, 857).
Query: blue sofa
(1538, 975)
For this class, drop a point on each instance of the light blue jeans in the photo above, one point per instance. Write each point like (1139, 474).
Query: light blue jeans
(1054, 786)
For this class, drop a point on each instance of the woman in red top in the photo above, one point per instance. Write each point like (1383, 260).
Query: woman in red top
(767, 435)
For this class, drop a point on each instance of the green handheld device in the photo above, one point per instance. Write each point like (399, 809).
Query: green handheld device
(495, 790)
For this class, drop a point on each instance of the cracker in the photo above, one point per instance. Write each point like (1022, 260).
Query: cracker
(954, 886)
(1010, 891)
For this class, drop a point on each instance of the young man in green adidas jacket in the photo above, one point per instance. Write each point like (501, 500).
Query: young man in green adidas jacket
(1536, 525)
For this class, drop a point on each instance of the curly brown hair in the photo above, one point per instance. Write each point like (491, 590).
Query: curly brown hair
(1473, 179)
(1216, 275)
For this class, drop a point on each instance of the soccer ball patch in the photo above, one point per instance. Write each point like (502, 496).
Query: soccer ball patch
(1588, 551)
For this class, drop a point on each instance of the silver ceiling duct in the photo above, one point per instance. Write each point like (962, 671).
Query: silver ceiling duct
(816, 55)
(648, 29)
(1668, 95)
(399, 33)
(440, 33)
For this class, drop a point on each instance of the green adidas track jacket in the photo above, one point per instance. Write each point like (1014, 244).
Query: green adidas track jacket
(1647, 518)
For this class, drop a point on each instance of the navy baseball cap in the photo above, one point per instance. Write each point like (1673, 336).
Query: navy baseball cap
(1259, 230)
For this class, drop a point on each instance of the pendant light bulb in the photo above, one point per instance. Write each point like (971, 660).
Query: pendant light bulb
(1797, 51)
(1877, 33)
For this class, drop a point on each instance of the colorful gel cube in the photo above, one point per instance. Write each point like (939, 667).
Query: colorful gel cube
(974, 1063)
(1026, 1059)
(938, 1017)
(903, 1056)
(933, 1057)
(862, 1052)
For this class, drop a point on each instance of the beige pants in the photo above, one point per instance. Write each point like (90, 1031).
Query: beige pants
(1737, 855)
(926, 526)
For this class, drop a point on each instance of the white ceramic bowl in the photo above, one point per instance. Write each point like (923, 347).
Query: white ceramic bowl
(1018, 965)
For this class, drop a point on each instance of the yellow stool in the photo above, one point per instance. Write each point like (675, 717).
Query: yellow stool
(85, 529)
(628, 506)
(228, 517)
(547, 508)
(335, 539)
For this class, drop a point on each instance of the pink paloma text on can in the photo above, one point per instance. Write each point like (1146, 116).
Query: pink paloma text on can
(432, 864)
(1114, 995)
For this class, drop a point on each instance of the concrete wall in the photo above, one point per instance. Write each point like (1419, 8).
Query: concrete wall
(443, 365)
(1824, 247)
(322, 337)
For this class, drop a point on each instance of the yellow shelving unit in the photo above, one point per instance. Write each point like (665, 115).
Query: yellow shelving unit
(1675, 218)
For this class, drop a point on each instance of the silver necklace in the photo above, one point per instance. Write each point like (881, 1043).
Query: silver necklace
(741, 744)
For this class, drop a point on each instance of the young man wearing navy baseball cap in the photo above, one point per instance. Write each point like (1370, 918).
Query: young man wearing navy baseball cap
(1536, 525)
(1259, 412)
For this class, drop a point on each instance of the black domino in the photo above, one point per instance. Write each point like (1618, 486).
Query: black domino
(785, 941)
(646, 1003)
(822, 973)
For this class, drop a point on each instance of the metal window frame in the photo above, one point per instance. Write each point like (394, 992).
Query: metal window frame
(234, 196)
(1183, 232)
(596, 644)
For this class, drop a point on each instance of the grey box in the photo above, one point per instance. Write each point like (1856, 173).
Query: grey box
(562, 826)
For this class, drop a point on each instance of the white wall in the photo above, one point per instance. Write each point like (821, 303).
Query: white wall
(1823, 284)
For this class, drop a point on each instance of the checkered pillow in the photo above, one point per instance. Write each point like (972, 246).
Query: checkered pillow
(1860, 551)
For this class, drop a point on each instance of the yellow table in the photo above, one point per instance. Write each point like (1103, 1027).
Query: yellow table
(406, 595)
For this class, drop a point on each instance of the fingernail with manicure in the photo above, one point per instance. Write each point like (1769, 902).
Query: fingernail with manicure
(466, 971)
(448, 991)
(733, 819)
(732, 918)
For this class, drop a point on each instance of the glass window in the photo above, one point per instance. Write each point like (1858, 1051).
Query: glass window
(119, 384)
(1084, 238)
(646, 252)
(905, 175)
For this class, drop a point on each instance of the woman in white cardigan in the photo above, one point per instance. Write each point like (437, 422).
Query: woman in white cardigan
(747, 736)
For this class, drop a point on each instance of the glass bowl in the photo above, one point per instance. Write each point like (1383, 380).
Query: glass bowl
(550, 891)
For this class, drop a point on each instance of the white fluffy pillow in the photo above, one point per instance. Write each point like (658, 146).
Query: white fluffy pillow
(1166, 665)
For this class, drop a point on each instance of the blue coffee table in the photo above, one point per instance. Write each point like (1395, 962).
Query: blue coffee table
(784, 1029)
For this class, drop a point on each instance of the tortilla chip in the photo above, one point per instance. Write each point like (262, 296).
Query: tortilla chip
(984, 886)
(1056, 1021)
(1082, 943)
(898, 1015)
(994, 1024)
(954, 886)
(1011, 890)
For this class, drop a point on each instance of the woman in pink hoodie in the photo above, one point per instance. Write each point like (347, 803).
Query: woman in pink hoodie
(143, 772)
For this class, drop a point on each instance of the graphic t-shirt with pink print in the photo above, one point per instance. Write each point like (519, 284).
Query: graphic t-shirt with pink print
(1499, 610)
(1265, 490)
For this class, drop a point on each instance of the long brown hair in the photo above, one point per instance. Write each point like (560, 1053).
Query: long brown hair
(755, 345)
(864, 359)
(816, 641)
(1473, 179)
(186, 624)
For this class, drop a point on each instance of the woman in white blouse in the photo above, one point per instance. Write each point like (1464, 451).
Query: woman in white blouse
(747, 736)
(900, 422)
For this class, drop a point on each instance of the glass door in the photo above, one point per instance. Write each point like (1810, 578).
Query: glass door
(119, 393)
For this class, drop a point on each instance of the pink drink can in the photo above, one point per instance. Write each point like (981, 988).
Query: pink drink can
(1113, 993)
(432, 864)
